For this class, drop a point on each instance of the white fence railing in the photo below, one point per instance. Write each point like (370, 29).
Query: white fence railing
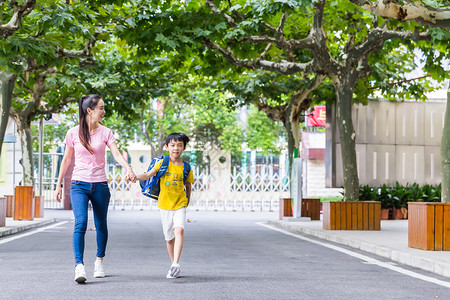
(210, 191)
(49, 178)
(216, 189)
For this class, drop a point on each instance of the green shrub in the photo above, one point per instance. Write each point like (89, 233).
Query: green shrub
(399, 195)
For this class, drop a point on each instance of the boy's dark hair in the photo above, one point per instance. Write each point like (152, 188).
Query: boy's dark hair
(177, 136)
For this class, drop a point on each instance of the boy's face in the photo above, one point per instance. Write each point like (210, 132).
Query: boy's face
(175, 148)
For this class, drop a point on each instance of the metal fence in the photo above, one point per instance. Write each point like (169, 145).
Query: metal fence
(217, 189)
(49, 178)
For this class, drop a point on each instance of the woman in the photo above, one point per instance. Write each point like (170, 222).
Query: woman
(88, 141)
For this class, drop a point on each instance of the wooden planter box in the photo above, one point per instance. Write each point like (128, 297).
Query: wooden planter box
(9, 206)
(2, 211)
(311, 208)
(397, 214)
(38, 206)
(429, 226)
(351, 215)
(23, 203)
(285, 207)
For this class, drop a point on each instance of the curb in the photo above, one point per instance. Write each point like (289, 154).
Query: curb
(441, 267)
(13, 230)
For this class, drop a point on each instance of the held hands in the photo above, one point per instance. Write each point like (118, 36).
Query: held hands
(131, 176)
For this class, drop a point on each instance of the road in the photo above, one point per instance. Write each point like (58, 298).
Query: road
(226, 255)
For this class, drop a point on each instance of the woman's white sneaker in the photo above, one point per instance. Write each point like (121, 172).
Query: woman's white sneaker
(99, 271)
(80, 273)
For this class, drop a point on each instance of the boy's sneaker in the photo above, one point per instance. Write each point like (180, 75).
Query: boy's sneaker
(80, 273)
(174, 271)
(99, 271)
(168, 275)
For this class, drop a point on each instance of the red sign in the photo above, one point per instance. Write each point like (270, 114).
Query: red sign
(318, 117)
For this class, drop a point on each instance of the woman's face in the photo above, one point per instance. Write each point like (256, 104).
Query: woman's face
(98, 112)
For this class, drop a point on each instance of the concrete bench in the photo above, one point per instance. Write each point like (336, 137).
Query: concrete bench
(2, 211)
(9, 206)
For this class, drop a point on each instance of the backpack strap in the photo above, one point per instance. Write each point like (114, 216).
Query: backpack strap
(186, 171)
(164, 166)
(153, 186)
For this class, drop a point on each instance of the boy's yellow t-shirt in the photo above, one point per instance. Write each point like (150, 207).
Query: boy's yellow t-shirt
(172, 195)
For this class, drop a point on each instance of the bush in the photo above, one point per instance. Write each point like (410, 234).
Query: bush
(399, 195)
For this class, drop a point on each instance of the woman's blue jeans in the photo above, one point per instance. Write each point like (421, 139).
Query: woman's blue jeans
(80, 194)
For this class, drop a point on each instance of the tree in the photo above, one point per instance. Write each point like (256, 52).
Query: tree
(437, 17)
(136, 89)
(445, 154)
(308, 39)
(151, 30)
(7, 83)
(262, 133)
(283, 98)
(47, 54)
(346, 62)
(16, 13)
(145, 95)
(28, 106)
(214, 123)
(335, 40)
(417, 11)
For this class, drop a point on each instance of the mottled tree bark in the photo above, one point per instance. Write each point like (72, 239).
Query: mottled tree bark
(7, 82)
(445, 154)
(408, 11)
(347, 137)
(26, 142)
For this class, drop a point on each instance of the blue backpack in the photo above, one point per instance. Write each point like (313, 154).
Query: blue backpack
(150, 187)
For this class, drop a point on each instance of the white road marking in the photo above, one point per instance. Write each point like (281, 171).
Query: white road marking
(18, 236)
(366, 259)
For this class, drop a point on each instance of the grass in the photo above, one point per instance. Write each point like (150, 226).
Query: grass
(330, 199)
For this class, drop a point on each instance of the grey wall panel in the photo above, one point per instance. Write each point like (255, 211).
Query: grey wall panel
(381, 122)
(432, 173)
(330, 147)
(413, 129)
(360, 161)
(409, 127)
(410, 164)
(380, 166)
(339, 173)
(359, 116)
(359, 113)
(434, 122)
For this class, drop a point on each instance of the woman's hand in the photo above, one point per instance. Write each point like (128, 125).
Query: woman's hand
(58, 192)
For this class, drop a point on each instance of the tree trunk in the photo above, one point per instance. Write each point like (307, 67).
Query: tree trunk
(26, 142)
(293, 135)
(445, 154)
(347, 136)
(7, 83)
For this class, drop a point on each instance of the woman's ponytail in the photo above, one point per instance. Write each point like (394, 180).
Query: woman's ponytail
(86, 102)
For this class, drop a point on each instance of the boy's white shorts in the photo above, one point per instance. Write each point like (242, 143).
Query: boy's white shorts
(171, 219)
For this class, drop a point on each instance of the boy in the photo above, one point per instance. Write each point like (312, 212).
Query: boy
(173, 199)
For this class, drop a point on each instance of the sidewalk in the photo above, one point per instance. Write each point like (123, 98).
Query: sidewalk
(390, 242)
(18, 226)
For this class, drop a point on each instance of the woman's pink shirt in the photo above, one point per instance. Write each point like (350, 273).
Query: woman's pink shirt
(90, 167)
